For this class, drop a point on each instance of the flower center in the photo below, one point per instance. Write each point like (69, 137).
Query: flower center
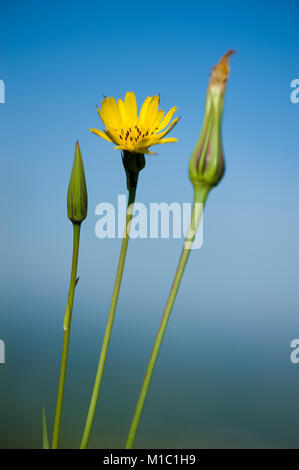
(132, 135)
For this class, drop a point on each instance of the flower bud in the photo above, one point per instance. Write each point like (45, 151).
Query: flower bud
(207, 160)
(77, 191)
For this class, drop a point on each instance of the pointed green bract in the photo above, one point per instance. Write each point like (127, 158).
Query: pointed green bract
(77, 191)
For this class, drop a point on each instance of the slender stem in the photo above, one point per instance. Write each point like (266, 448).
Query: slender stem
(106, 340)
(200, 196)
(66, 337)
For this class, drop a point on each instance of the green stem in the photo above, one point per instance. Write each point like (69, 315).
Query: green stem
(66, 337)
(106, 340)
(200, 195)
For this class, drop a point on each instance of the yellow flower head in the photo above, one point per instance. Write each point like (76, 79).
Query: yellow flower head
(131, 132)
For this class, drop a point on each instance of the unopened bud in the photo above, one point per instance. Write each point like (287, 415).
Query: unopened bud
(207, 160)
(77, 191)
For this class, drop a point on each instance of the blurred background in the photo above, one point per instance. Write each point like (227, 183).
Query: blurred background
(224, 376)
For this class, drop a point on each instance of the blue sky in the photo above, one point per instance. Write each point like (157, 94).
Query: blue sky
(57, 59)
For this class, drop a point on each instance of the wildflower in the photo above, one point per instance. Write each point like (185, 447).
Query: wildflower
(133, 133)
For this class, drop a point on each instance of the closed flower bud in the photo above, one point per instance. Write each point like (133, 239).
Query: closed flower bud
(207, 161)
(77, 191)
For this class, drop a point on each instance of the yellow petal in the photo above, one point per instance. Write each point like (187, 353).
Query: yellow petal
(131, 105)
(113, 135)
(114, 109)
(146, 151)
(139, 150)
(107, 113)
(106, 121)
(110, 112)
(171, 126)
(101, 134)
(122, 111)
(152, 110)
(119, 147)
(101, 115)
(167, 118)
(159, 117)
(168, 140)
(143, 110)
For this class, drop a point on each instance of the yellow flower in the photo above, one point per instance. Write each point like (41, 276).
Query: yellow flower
(131, 132)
